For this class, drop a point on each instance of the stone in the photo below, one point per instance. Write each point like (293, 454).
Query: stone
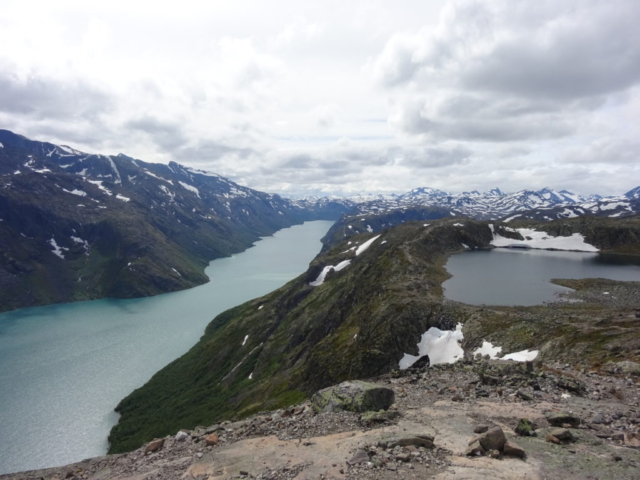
(457, 398)
(559, 419)
(493, 453)
(181, 436)
(524, 396)
(212, 439)
(422, 362)
(493, 439)
(631, 439)
(353, 396)
(618, 437)
(404, 457)
(359, 457)
(551, 439)
(475, 449)
(513, 450)
(625, 368)
(154, 446)
(561, 434)
(598, 419)
(381, 416)
(525, 428)
(405, 440)
(481, 428)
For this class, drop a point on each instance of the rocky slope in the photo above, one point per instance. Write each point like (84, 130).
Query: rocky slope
(428, 432)
(76, 226)
(362, 304)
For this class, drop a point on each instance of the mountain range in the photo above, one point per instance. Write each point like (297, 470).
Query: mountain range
(78, 226)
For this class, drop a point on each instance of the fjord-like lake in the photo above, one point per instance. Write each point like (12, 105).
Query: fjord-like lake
(521, 277)
(64, 368)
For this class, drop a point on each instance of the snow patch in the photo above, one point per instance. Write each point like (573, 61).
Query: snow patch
(369, 229)
(458, 224)
(366, 245)
(124, 199)
(320, 280)
(75, 191)
(523, 356)
(191, 188)
(246, 337)
(57, 250)
(442, 346)
(488, 349)
(98, 183)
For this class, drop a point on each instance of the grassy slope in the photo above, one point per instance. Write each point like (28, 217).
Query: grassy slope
(304, 337)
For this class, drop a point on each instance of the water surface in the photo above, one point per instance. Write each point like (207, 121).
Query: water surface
(521, 277)
(63, 368)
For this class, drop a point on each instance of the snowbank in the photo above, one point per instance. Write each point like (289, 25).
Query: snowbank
(366, 245)
(542, 240)
(442, 346)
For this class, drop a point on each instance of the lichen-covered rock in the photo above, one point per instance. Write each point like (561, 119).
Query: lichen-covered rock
(525, 428)
(380, 416)
(353, 396)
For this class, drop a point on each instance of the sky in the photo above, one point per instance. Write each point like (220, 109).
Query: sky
(337, 97)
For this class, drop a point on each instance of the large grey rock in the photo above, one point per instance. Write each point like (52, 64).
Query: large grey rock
(494, 439)
(353, 396)
(625, 367)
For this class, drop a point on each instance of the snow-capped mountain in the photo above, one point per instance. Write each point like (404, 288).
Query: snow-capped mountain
(494, 204)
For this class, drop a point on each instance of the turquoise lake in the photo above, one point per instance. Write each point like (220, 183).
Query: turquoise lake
(63, 368)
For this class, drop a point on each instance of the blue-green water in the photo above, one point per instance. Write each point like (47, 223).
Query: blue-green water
(521, 277)
(63, 368)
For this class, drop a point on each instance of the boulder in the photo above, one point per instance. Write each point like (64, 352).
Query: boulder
(561, 434)
(475, 449)
(559, 419)
(407, 439)
(481, 428)
(212, 439)
(513, 449)
(422, 362)
(493, 439)
(625, 367)
(154, 446)
(181, 436)
(353, 396)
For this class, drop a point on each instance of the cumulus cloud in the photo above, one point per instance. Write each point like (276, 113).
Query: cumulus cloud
(506, 71)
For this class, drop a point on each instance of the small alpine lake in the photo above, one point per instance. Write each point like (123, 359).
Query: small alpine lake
(65, 367)
(521, 277)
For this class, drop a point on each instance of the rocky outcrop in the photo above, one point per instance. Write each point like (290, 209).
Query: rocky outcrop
(353, 396)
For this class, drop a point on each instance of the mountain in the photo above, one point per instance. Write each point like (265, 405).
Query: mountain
(363, 302)
(494, 204)
(77, 226)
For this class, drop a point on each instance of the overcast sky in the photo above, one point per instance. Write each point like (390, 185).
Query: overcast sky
(337, 97)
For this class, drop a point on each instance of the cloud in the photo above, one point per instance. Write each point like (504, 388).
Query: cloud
(507, 71)
(41, 97)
